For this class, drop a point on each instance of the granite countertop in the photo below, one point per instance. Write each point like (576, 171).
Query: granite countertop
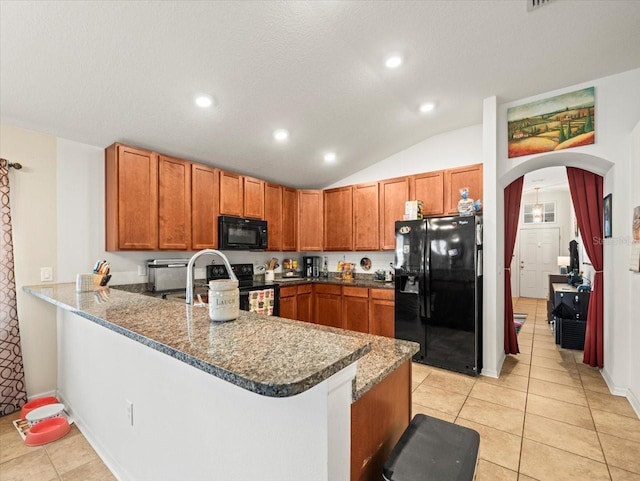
(271, 356)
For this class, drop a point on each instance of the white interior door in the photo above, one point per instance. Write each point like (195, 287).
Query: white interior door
(539, 250)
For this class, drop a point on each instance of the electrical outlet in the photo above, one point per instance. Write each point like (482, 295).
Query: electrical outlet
(46, 274)
(130, 412)
(142, 270)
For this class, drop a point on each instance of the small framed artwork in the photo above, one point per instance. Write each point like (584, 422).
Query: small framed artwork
(606, 206)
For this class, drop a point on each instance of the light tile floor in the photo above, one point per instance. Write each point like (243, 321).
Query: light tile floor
(547, 418)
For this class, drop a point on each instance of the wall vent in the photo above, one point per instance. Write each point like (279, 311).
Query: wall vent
(536, 4)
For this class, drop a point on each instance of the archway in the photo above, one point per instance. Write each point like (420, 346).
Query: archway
(511, 182)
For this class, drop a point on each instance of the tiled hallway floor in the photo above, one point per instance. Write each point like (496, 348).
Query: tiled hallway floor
(547, 418)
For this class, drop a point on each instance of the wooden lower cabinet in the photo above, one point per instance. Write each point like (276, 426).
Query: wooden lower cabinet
(289, 302)
(328, 305)
(304, 303)
(355, 309)
(382, 312)
(378, 419)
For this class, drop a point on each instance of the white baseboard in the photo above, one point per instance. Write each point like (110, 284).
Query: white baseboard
(615, 390)
(634, 401)
(490, 372)
(42, 394)
(621, 391)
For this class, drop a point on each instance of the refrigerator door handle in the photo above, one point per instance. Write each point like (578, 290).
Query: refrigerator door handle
(423, 295)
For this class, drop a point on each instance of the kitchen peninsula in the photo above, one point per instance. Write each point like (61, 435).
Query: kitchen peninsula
(163, 393)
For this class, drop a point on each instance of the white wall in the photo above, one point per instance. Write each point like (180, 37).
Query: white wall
(617, 113)
(633, 287)
(33, 212)
(444, 151)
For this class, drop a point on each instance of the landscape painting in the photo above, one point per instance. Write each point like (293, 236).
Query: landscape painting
(556, 123)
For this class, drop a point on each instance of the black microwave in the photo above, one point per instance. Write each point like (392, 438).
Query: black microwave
(237, 233)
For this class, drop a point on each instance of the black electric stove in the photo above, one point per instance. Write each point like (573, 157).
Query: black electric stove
(252, 293)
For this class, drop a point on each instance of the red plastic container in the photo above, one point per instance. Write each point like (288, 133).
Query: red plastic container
(36, 403)
(47, 431)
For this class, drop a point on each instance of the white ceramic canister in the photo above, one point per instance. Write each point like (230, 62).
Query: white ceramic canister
(224, 300)
(269, 275)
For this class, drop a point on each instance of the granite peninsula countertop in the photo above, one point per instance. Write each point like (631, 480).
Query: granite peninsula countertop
(270, 356)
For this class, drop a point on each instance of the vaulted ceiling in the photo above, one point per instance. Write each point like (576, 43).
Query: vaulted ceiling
(99, 72)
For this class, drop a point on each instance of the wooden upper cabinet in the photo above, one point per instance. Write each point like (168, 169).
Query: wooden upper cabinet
(393, 194)
(204, 207)
(338, 219)
(131, 203)
(429, 188)
(310, 213)
(289, 219)
(273, 215)
(366, 217)
(174, 204)
(469, 176)
(253, 197)
(231, 194)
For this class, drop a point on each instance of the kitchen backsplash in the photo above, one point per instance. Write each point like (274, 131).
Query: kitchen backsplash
(126, 265)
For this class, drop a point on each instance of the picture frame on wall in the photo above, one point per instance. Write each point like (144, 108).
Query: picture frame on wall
(606, 217)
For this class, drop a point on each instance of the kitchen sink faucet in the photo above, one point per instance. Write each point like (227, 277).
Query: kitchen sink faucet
(192, 261)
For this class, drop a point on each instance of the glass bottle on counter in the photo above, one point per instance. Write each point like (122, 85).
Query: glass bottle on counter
(325, 267)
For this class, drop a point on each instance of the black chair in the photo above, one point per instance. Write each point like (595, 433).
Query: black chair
(433, 450)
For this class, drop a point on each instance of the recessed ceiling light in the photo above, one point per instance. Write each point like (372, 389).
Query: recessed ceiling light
(427, 107)
(393, 61)
(204, 101)
(281, 135)
(330, 157)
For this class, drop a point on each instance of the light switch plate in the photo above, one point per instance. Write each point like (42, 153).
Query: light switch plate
(46, 274)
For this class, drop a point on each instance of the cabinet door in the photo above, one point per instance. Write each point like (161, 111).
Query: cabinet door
(273, 215)
(174, 204)
(231, 194)
(381, 312)
(289, 219)
(328, 305)
(338, 219)
(393, 194)
(253, 198)
(429, 188)
(366, 217)
(288, 302)
(304, 302)
(469, 176)
(310, 220)
(131, 198)
(355, 309)
(204, 207)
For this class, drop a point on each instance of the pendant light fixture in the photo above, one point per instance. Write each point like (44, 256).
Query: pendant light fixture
(537, 210)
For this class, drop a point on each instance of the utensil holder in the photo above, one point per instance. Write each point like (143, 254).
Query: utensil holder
(84, 282)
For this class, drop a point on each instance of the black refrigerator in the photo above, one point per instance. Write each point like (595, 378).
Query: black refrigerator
(438, 284)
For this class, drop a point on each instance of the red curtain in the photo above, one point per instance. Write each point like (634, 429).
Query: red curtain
(586, 194)
(512, 198)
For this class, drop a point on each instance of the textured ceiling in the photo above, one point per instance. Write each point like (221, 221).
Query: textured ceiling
(99, 72)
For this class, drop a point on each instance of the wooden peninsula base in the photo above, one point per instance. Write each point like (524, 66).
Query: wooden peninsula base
(378, 419)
